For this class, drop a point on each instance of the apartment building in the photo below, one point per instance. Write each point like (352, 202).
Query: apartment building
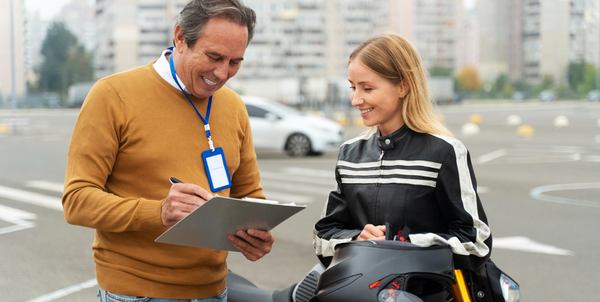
(132, 33)
(534, 39)
(301, 44)
(308, 38)
(12, 57)
(591, 30)
(436, 31)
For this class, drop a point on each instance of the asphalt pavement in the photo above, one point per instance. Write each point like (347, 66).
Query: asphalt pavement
(536, 164)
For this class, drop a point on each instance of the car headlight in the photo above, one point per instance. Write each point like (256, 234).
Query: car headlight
(510, 289)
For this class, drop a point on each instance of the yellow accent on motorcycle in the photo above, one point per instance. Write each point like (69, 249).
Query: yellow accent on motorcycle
(459, 288)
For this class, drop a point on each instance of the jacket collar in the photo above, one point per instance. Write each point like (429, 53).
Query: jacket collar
(388, 142)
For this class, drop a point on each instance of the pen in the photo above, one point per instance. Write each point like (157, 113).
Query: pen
(174, 180)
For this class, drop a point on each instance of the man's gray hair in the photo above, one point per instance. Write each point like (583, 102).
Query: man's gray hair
(196, 13)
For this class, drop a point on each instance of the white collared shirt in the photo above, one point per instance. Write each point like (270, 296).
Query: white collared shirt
(164, 70)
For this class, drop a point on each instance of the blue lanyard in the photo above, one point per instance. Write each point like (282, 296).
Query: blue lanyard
(187, 97)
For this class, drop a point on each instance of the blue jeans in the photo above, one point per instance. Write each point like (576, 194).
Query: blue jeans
(111, 297)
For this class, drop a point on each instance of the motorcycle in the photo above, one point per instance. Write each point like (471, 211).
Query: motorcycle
(382, 271)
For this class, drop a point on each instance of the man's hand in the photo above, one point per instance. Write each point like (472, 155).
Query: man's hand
(254, 244)
(372, 232)
(183, 198)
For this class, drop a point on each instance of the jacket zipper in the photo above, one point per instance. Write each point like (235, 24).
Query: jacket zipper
(378, 185)
(380, 166)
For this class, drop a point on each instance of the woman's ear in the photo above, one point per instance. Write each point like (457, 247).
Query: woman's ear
(402, 89)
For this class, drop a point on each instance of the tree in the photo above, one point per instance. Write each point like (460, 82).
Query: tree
(64, 61)
(589, 79)
(440, 71)
(575, 74)
(546, 83)
(468, 80)
(502, 87)
(581, 76)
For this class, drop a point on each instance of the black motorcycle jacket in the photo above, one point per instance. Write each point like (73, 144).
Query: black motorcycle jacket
(422, 185)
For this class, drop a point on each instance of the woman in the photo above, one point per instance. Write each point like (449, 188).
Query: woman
(407, 171)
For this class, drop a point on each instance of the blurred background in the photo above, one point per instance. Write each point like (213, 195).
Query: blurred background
(493, 49)
(517, 80)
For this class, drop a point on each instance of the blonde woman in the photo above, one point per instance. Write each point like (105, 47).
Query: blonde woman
(407, 171)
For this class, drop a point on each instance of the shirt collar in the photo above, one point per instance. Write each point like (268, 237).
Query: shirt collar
(164, 70)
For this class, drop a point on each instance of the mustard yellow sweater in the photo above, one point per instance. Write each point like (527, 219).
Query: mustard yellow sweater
(133, 132)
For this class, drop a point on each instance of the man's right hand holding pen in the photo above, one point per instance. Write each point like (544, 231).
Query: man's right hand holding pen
(182, 199)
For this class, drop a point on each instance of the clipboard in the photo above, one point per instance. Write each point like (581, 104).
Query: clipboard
(209, 225)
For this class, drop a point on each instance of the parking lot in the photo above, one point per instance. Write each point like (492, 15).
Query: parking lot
(538, 179)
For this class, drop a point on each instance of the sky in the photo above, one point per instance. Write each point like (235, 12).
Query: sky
(469, 4)
(47, 8)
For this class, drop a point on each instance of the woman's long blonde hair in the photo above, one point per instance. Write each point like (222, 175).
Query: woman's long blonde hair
(394, 58)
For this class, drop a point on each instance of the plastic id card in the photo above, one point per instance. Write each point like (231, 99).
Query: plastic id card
(216, 169)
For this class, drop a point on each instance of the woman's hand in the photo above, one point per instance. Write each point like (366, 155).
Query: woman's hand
(372, 232)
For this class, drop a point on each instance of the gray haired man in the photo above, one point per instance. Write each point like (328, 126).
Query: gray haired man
(139, 127)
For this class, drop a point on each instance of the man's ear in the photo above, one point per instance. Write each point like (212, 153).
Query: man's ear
(178, 39)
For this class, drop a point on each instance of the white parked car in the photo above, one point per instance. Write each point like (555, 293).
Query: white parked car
(279, 127)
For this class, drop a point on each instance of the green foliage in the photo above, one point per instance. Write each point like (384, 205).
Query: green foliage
(521, 85)
(65, 62)
(575, 74)
(440, 71)
(589, 79)
(547, 83)
(581, 77)
(564, 92)
(502, 87)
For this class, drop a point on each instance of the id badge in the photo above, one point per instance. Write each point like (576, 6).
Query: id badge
(216, 169)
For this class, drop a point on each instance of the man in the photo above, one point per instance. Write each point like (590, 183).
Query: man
(139, 127)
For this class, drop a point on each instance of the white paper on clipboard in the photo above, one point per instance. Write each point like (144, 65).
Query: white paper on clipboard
(209, 225)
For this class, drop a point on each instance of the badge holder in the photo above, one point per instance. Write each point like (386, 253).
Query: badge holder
(216, 169)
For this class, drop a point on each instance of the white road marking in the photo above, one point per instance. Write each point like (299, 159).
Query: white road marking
(538, 193)
(545, 158)
(63, 292)
(491, 156)
(542, 158)
(524, 244)
(18, 219)
(553, 148)
(41, 200)
(46, 185)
